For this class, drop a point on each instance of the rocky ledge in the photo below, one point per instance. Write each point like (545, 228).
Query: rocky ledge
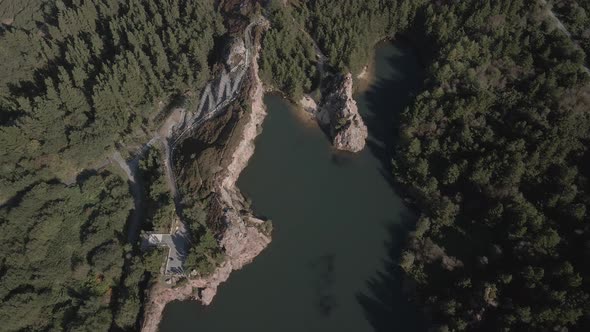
(338, 115)
(243, 239)
(245, 236)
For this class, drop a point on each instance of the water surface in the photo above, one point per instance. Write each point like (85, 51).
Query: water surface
(337, 225)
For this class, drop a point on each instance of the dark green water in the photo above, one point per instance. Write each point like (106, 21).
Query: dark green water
(337, 225)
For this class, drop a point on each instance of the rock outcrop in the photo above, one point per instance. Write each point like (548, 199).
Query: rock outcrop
(235, 53)
(338, 114)
(364, 74)
(309, 105)
(244, 236)
(243, 239)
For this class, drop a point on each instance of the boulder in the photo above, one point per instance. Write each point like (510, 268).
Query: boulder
(235, 53)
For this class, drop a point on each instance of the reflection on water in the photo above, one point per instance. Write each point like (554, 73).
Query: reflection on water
(338, 224)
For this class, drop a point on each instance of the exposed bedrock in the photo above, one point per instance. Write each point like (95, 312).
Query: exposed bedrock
(224, 150)
(338, 114)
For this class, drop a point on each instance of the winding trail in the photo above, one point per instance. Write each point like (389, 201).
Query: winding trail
(176, 127)
(227, 90)
(217, 105)
(242, 240)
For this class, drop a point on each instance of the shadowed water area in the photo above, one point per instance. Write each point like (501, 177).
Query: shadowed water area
(338, 224)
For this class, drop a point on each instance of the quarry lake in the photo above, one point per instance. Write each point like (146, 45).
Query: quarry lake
(338, 224)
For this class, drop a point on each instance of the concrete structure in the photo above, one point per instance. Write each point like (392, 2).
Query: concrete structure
(177, 244)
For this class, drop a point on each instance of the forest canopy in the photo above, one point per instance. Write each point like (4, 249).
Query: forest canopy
(80, 79)
(287, 60)
(347, 30)
(494, 152)
(575, 15)
(62, 255)
(91, 74)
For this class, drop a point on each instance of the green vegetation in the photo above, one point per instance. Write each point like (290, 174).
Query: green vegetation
(62, 255)
(77, 79)
(199, 208)
(142, 270)
(286, 60)
(91, 74)
(494, 152)
(575, 15)
(20, 14)
(206, 254)
(347, 30)
(159, 204)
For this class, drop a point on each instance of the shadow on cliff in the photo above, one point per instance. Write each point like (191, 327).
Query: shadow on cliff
(388, 96)
(386, 306)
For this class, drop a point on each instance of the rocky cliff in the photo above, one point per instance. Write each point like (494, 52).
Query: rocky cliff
(244, 236)
(243, 239)
(338, 115)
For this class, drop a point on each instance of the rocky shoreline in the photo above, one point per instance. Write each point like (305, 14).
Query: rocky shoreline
(243, 238)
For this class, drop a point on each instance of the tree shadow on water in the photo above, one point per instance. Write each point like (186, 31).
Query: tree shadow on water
(387, 97)
(386, 305)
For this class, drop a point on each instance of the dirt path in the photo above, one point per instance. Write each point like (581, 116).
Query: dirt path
(242, 241)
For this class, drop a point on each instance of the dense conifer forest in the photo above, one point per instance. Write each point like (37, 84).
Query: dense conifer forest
(92, 73)
(346, 33)
(575, 15)
(348, 30)
(159, 204)
(288, 58)
(79, 79)
(492, 153)
(62, 258)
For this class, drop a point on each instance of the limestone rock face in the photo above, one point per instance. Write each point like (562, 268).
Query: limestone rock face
(242, 242)
(338, 113)
(235, 53)
(309, 105)
(243, 238)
